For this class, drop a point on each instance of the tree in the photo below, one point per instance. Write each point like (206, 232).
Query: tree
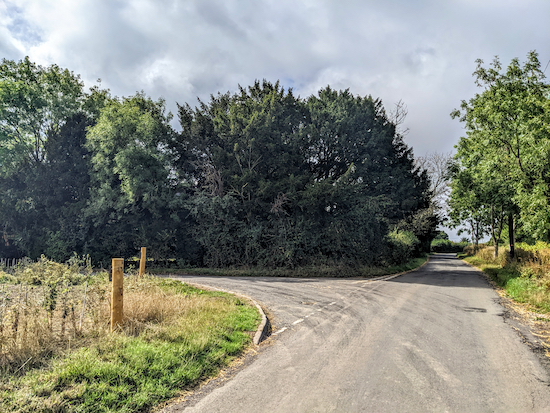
(44, 113)
(436, 166)
(506, 128)
(347, 130)
(466, 208)
(136, 196)
(34, 102)
(482, 192)
(300, 181)
(245, 149)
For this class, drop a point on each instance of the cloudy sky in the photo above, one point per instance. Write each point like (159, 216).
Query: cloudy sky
(422, 52)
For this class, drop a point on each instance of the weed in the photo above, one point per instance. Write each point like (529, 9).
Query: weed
(526, 278)
(55, 359)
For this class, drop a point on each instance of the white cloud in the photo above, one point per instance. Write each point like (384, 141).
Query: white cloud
(422, 52)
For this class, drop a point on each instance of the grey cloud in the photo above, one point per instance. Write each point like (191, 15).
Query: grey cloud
(20, 28)
(422, 52)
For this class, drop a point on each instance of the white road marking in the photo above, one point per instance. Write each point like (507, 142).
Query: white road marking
(279, 331)
(298, 321)
(334, 302)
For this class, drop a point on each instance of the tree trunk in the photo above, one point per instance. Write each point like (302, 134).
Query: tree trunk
(511, 235)
(476, 243)
(474, 232)
(493, 230)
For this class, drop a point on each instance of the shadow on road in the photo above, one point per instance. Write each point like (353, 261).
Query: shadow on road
(442, 270)
(445, 270)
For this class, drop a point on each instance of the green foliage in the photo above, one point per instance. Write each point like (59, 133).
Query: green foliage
(446, 245)
(44, 179)
(46, 272)
(441, 235)
(256, 178)
(526, 280)
(403, 246)
(283, 182)
(34, 102)
(501, 169)
(136, 198)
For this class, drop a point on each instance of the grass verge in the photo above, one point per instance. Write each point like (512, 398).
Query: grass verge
(524, 280)
(337, 271)
(173, 336)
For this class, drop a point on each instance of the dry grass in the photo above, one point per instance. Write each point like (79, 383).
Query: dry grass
(148, 305)
(526, 278)
(173, 335)
(51, 316)
(40, 320)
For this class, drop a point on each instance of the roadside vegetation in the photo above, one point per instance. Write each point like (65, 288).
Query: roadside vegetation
(257, 178)
(338, 271)
(500, 174)
(57, 354)
(442, 243)
(526, 278)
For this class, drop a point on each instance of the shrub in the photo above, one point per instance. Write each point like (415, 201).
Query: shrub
(445, 245)
(402, 245)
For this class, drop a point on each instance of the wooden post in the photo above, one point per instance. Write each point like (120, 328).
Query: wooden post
(142, 261)
(117, 293)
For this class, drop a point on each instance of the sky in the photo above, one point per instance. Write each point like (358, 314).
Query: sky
(420, 52)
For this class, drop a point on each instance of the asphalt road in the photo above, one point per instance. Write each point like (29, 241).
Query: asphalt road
(433, 340)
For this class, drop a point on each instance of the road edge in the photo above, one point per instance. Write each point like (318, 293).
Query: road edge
(392, 276)
(518, 317)
(262, 332)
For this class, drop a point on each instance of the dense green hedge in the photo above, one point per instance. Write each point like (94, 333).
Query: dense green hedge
(255, 178)
(445, 245)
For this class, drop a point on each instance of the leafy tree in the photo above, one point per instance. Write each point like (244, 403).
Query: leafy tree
(136, 196)
(246, 147)
(34, 102)
(482, 192)
(465, 208)
(441, 235)
(320, 179)
(44, 113)
(507, 132)
(59, 187)
(259, 177)
(347, 130)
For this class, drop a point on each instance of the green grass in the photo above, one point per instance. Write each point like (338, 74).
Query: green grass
(518, 281)
(125, 373)
(306, 271)
(151, 362)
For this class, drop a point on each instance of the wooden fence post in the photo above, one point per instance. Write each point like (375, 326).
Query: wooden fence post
(142, 261)
(117, 293)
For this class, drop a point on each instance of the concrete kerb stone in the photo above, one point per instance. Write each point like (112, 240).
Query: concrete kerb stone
(263, 328)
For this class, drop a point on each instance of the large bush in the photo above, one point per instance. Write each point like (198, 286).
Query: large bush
(402, 246)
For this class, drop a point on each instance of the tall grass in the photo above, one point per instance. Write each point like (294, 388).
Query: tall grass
(526, 278)
(44, 308)
(173, 335)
